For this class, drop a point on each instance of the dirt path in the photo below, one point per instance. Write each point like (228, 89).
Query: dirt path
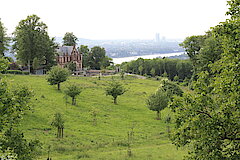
(138, 76)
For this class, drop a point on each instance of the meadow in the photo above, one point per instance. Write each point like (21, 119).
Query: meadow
(96, 128)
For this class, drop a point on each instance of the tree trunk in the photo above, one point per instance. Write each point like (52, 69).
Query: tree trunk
(115, 100)
(158, 115)
(168, 130)
(58, 86)
(58, 133)
(73, 101)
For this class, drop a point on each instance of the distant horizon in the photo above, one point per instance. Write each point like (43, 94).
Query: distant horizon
(120, 39)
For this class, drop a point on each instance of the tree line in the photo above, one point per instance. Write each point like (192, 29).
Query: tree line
(171, 68)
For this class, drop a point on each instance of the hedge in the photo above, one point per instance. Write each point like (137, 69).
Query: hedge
(15, 72)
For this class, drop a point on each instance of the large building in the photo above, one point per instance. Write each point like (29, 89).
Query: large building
(157, 37)
(68, 54)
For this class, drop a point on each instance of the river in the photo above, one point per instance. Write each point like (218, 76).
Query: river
(127, 59)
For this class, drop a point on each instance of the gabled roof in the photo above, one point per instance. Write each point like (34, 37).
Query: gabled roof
(67, 50)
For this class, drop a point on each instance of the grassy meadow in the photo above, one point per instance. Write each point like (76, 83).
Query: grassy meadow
(105, 136)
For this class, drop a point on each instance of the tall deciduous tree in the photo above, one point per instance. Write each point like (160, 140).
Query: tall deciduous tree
(202, 50)
(69, 39)
(208, 119)
(97, 58)
(193, 45)
(4, 40)
(84, 50)
(57, 75)
(31, 41)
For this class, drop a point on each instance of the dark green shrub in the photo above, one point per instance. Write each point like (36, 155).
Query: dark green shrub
(171, 88)
(13, 72)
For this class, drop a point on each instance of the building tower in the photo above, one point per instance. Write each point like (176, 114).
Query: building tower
(157, 37)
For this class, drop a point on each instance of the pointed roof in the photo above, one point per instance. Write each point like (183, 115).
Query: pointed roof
(64, 50)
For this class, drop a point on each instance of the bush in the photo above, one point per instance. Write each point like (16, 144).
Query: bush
(25, 73)
(171, 88)
(15, 72)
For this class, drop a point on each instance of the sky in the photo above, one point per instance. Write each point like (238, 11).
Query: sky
(118, 19)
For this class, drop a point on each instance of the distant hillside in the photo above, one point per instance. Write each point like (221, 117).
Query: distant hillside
(127, 48)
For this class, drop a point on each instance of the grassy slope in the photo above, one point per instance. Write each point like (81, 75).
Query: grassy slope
(106, 140)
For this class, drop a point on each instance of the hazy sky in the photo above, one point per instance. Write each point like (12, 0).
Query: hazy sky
(118, 19)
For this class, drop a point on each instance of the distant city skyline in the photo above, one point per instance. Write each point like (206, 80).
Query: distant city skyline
(118, 19)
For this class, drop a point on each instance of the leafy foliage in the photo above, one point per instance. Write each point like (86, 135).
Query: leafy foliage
(73, 90)
(69, 39)
(31, 41)
(7, 154)
(35, 63)
(84, 50)
(234, 10)
(115, 89)
(193, 45)
(3, 64)
(158, 101)
(97, 59)
(71, 66)
(208, 119)
(171, 88)
(203, 50)
(160, 67)
(13, 104)
(58, 122)
(4, 40)
(57, 75)
(22, 148)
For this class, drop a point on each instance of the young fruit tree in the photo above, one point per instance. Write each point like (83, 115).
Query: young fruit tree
(157, 102)
(57, 75)
(72, 91)
(58, 122)
(115, 89)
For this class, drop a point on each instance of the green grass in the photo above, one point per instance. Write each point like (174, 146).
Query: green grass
(108, 138)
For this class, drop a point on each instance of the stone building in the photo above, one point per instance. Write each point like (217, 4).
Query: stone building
(68, 54)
